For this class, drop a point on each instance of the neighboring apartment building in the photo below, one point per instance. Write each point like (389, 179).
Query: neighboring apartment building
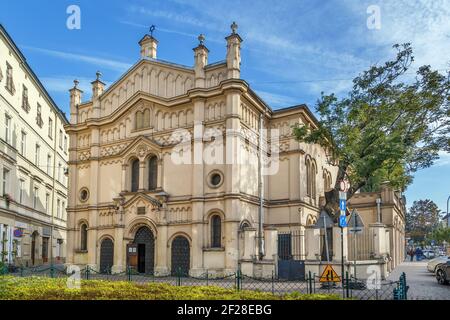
(33, 161)
(131, 204)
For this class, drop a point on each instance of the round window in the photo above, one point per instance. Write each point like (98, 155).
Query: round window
(215, 179)
(84, 194)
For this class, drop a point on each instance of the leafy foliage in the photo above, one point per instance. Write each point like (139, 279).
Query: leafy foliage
(385, 129)
(422, 218)
(39, 288)
(440, 235)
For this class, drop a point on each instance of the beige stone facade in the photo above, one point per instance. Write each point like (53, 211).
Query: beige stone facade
(133, 202)
(33, 158)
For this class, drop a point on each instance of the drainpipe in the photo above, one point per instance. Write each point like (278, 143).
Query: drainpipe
(261, 192)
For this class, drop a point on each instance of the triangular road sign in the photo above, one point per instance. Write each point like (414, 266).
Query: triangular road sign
(324, 220)
(329, 275)
(355, 221)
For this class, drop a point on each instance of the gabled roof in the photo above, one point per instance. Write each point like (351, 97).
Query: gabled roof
(144, 196)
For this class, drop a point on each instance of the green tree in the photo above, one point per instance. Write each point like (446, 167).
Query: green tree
(422, 219)
(385, 129)
(440, 235)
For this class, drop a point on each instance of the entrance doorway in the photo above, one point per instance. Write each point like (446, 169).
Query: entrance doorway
(145, 242)
(33, 247)
(44, 250)
(180, 256)
(106, 255)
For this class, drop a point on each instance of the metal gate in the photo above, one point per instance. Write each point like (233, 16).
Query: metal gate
(290, 265)
(180, 256)
(146, 250)
(106, 255)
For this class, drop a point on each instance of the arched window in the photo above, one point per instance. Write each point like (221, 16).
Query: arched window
(216, 232)
(135, 175)
(308, 177)
(142, 119)
(313, 179)
(152, 172)
(311, 170)
(83, 237)
(139, 120)
(327, 180)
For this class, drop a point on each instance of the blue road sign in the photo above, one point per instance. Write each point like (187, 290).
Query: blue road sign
(342, 204)
(342, 221)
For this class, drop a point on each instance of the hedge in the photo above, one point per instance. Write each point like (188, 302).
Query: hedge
(39, 288)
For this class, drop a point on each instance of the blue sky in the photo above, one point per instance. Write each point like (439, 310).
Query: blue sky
(292, 50)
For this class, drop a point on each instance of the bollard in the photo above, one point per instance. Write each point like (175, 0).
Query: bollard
(273, 284)
(52, 271)
(129, 273)
(310, 282)
(207, 278)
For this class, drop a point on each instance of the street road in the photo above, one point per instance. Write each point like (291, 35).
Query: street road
(422, 284)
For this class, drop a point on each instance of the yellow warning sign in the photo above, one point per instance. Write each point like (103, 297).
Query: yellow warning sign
(329, 275)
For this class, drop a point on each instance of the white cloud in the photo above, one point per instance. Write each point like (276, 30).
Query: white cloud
(62, 84)
(99, 62)
(276, 100)
(444, 159)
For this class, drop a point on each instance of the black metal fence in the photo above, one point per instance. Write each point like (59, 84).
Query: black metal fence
(350, 288)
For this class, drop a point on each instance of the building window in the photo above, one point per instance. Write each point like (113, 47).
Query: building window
(9, 79)
(37, 155)
(50, 128)
(49, 164)
(25, 104)
(5, 181)
(327, 180)
(47, 203)
(21, 190)
(84, 194)
(7, 129)
(215, 179)
(152, 172)
(65, 143)
(23, 143)
(59, 251)
(142, 119)
(63, 209)
(216, 231)
(311, 171)
(135, 175)
(59, 171)
(58, 208)
(60, 139)
(35, 197)
(83, 237)
(39, 121)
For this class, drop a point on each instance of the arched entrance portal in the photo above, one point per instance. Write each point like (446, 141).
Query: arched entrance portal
(180, 256)
(145, 243)
(106, 255)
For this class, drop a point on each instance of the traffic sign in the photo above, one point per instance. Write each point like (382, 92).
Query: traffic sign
(342, 221)
(342, 195)
(355, 222)
(329, 275)
(342, 204)
(324, 220)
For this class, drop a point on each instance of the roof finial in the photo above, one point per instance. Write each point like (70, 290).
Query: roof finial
(75, 82)
(234, 27)
(98, 74)
(152, 28)
(201, 38)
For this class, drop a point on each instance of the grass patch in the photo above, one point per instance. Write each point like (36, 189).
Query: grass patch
(39, 288)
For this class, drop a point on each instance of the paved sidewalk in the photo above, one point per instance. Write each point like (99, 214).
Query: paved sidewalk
(422, 284)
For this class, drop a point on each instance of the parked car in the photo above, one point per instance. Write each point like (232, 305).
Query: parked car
(443, 272)
(432, 264)
(428, 253)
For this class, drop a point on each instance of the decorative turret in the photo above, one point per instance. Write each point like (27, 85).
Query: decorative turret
(234, 53)
(75, 100)
(148, 45)
(201, 60)
(97, 86)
